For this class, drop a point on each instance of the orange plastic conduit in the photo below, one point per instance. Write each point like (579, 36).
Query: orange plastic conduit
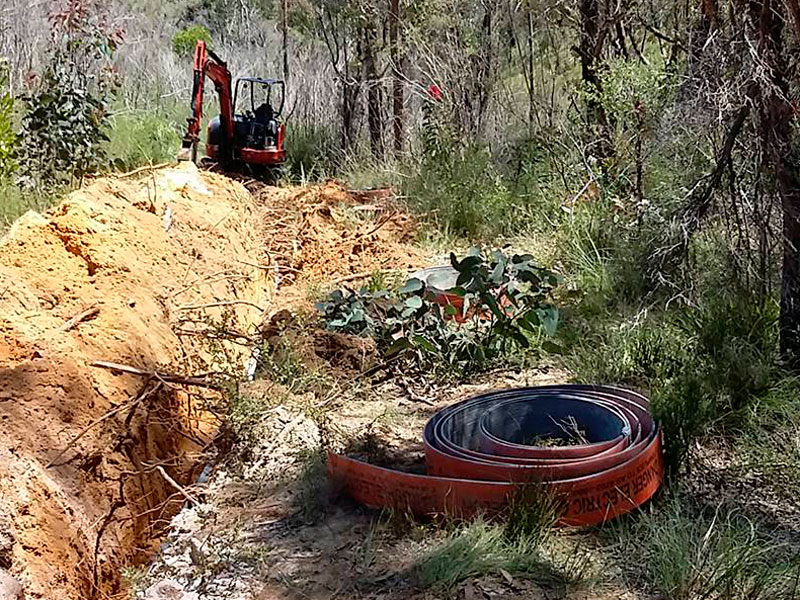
(478, 451)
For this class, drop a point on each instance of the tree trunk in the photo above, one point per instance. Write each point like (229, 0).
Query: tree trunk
(486, 67)
(285, 38)
(590, 51)
(374, 93)
(398, 101)
(775, 128)
(530, 67)
(351, 90)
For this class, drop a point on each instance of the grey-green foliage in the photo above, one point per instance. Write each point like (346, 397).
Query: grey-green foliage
(64, 124)
(505, 301)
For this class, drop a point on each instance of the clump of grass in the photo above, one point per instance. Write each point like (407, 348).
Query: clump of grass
(246, 414)
(481, 548)
(519, 543)
(16, 201)
(461, 192)
(769, 440)
(141, 138)
(312, 152)
(685, 555)
(532, 512)
(641, 354)
(703, 367)
(736, 338)
(280, 362)
(311, 497)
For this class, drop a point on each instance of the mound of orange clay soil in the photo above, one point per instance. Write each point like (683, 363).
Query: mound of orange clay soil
(174, 272)
(319, 233)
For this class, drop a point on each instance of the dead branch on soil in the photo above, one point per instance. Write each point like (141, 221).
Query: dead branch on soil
(84, 315)
(161, 376)
(412, 395)
(381, 223)
(218, 304)
(117, 504)
(142, 395)
(177, 486)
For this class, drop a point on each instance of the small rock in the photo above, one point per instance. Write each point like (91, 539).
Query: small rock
(168, 589)
(6, 540)
(10, 588)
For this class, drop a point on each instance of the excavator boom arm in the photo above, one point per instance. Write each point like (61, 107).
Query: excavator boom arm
(208, 64)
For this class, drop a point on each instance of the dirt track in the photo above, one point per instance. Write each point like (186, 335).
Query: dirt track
(140, 272)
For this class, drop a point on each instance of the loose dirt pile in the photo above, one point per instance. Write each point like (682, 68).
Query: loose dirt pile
(320, 234)
(168, 272)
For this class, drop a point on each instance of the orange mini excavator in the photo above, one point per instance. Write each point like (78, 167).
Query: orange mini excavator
(248, 130)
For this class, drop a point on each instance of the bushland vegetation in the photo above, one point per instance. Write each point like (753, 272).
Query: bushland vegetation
(645, 152)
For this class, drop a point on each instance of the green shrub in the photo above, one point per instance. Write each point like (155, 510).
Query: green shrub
(462, 193)
(686, 408)
(63, 131)
(767, 445)
(141, 138)
(705, 367)
(64, 123)
(184, 41)
(9, 140)
(505, 303)
(644, 354)
(311, 152)
(736, 335)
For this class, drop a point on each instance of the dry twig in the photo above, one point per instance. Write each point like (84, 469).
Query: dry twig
(163, 377)
(84, 315)
(143, 394)
(177, 486)
(218, 304)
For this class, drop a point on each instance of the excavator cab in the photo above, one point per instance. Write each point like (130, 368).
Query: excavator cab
(248, 129)
(258, 104)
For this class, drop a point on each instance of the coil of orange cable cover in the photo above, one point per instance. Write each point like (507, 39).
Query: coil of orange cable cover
(479, 451)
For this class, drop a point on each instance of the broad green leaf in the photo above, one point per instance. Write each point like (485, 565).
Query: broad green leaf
(549, 319)
(414, 302)
(412, 286)
(474, 251)
(424, 344)
(397, 346)
(552, 348)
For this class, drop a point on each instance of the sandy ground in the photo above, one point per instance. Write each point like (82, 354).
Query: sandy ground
(171, 271)
(252, 535)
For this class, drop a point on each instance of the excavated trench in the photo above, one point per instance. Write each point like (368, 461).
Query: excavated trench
(145, 272)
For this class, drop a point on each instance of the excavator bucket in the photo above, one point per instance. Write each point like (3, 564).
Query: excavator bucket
(188, 150)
